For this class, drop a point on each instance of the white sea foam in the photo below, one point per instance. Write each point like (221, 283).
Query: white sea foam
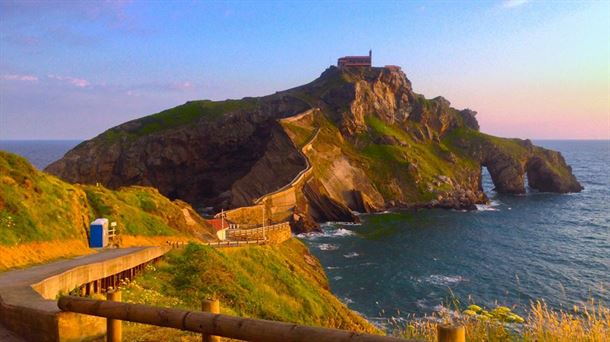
(351, 255)
(485, 207)
(492, 206)
(310, 236)
(332, 224)
(338, 278)
(347, 300)
(326, 232)
(439, 308)
(340, 232)
(443, 280)
(368, 263)
(421, 303)
(328, 247)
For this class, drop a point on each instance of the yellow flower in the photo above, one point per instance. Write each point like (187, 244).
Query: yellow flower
(474, 308)
(469, 313)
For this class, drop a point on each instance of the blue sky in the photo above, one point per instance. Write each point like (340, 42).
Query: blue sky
(70, 70)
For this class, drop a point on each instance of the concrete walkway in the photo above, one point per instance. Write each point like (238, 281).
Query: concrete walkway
(28, 305)
(35, 274)
(7, 336)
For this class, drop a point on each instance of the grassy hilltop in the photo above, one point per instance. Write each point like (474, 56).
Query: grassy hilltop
(43, 217)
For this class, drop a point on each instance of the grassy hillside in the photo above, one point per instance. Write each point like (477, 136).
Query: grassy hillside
(281, 282)
(385, 152)
(178, 116)
(38, 210)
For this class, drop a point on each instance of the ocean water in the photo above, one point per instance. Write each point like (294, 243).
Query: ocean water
(39, 152)
(518, 249)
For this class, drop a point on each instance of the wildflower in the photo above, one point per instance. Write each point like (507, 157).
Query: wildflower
(469, 312)
(474, 308)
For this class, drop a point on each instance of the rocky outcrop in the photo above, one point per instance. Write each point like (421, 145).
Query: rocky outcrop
(547, 171)
(379, 144)
(303, 223)
(510, 161)
(323, 208)
(280, 163)
(361, 202)
(199, 162)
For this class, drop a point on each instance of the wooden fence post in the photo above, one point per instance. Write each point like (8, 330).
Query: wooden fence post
(451, 333)
(113, 326)
(213, 306)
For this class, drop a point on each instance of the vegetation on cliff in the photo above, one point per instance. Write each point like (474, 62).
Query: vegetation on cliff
(282, 282)
(43, 217)
(377, 144)
(588, 322)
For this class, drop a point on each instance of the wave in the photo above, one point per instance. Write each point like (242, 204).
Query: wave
(341, 232)
(326, 232)
(443, 280)
(347, 300)
(328, 247)
(338, 278)
(333, 224)
(351, 255)
(492, 206)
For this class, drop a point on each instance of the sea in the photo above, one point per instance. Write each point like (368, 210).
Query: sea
(518, 249)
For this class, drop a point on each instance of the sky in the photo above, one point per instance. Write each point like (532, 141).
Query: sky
(531, 69)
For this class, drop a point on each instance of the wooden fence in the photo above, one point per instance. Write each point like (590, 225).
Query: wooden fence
(220, 244)
(247, 329)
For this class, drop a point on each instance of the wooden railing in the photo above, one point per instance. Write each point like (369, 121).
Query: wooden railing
(247, 329)
(178, 244)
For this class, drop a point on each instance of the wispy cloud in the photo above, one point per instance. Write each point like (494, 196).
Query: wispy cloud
(160, 87)
(77, 82)
(514, 3)
(15, 77)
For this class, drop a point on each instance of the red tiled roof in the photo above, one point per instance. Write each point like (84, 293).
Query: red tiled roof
(219, 224)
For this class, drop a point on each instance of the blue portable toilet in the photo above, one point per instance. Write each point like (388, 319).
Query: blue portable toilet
(98, 233)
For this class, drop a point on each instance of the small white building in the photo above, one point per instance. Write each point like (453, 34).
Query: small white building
(220, 226)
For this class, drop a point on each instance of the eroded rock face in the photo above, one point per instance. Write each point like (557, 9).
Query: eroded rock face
(230, 153)
(278, 165)
(508, 166)
(324, 208)
(547, 171)
(198, 163)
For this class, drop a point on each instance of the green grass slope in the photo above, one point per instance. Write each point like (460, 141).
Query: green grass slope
(282, 282)
(178, 116)
(36, 207)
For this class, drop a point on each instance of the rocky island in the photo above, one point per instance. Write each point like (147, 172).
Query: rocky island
(354, 139)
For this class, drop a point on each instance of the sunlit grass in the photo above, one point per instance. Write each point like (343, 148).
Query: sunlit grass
(282, 283)
(588, 323)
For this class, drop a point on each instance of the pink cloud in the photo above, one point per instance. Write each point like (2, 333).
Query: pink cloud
(77, 82)
(14, 77)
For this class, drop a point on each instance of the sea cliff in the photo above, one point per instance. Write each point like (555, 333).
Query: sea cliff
(367, 141)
